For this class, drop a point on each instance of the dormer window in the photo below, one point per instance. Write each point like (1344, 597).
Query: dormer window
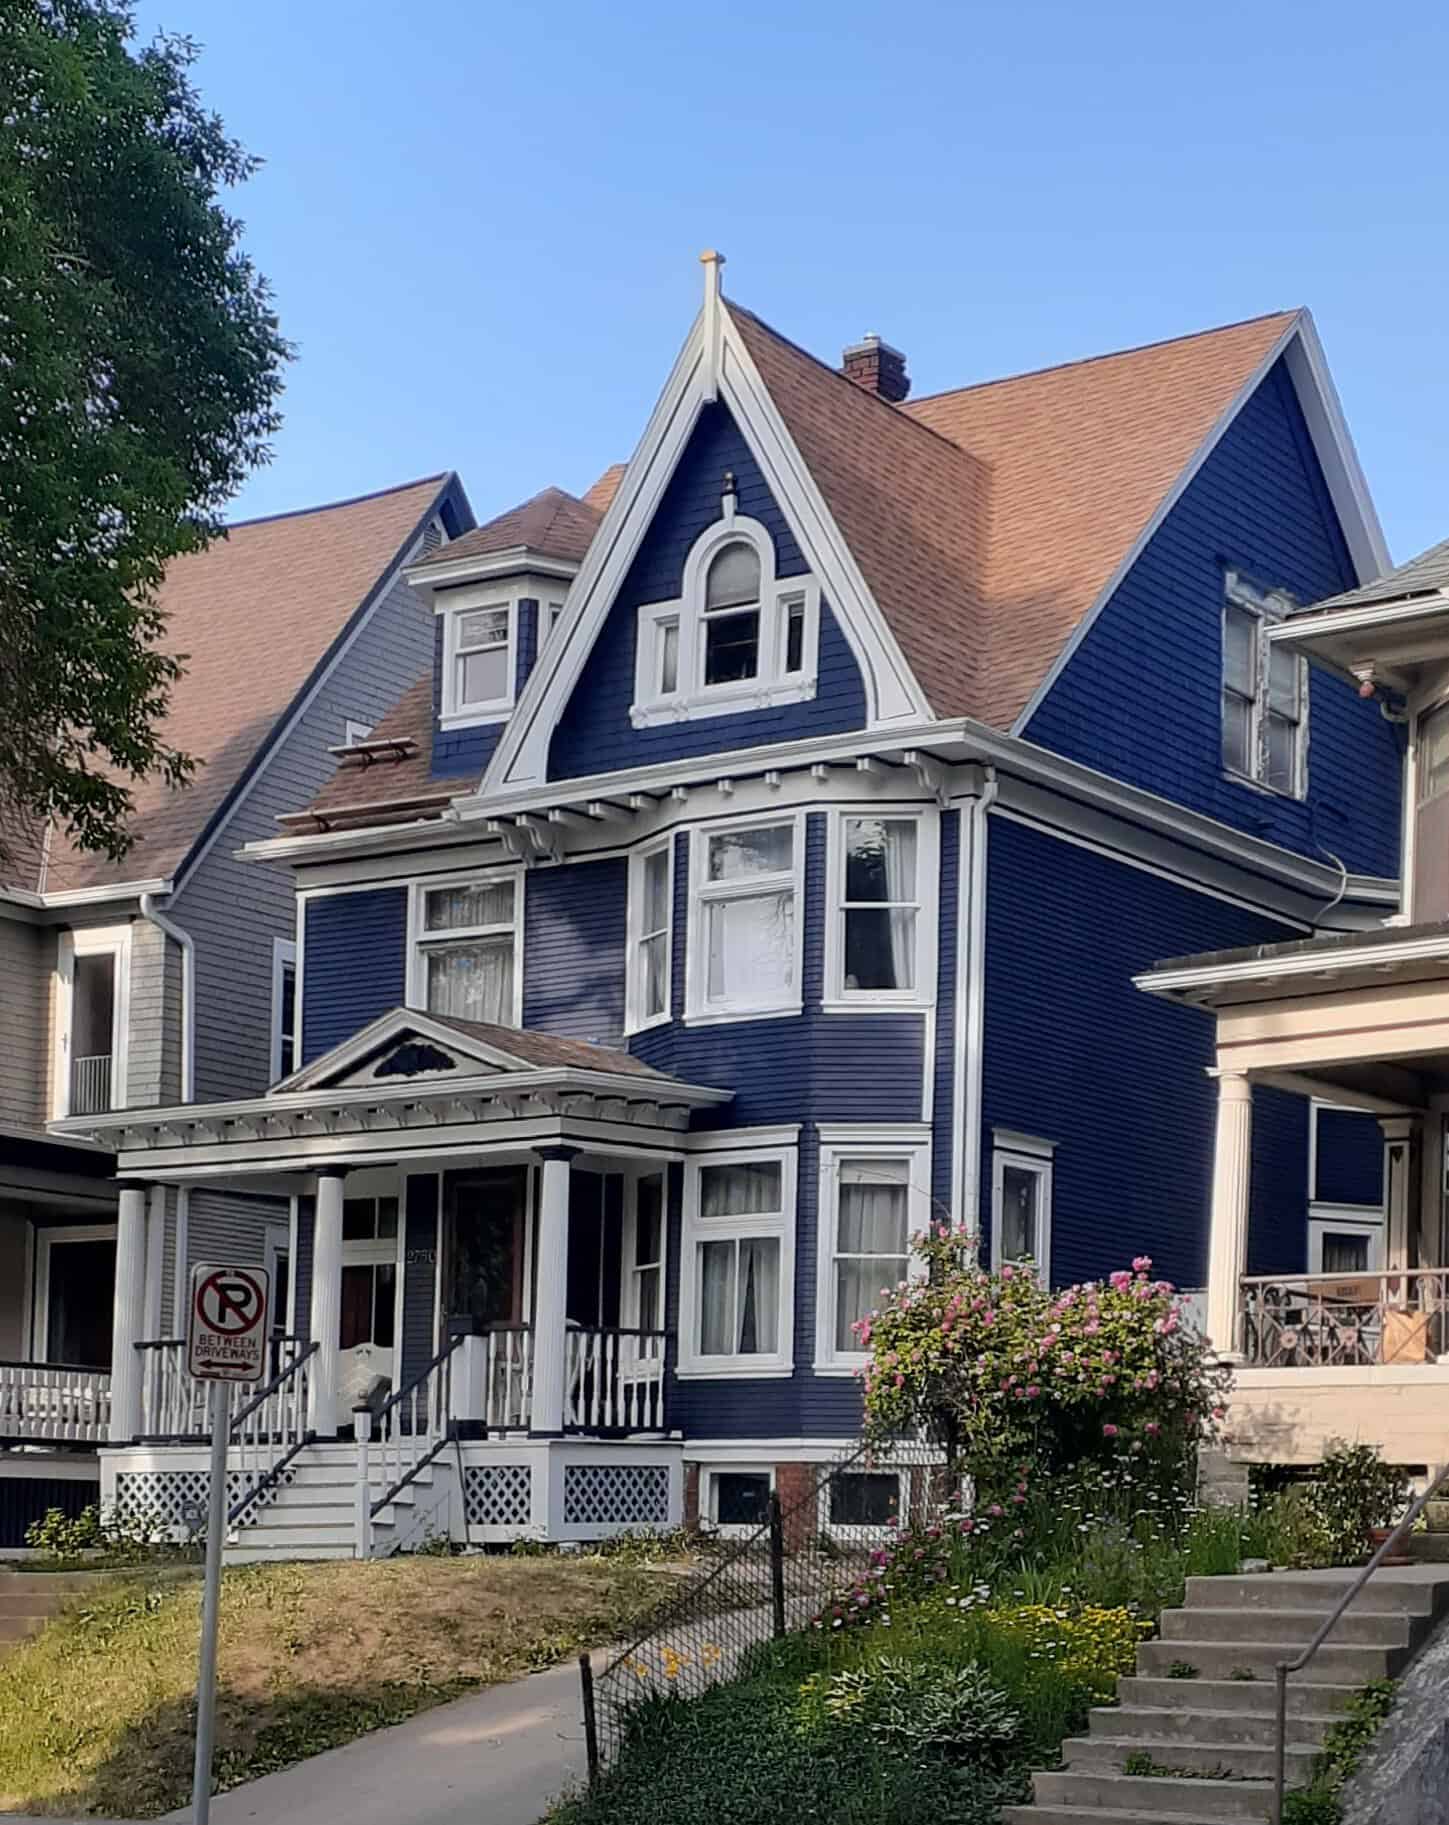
(479, 664)
(739, 637)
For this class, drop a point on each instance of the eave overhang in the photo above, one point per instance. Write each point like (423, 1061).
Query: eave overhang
(1384, 643)
(1332, 966)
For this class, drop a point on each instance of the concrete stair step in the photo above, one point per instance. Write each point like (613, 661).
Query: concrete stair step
(1159, 1797)
(294, 1535)
(49, 1582)
(1429, 1548)
(276, 1555)
(1243, 1696)
(1189, 1759)
(18, 1628)
(1221, 1660)
(1355, 1628)
(1056, 1813)
(1151, 1724)
(1318, 1592)
(30, 1603)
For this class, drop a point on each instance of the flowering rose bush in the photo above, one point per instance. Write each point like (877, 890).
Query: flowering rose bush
(1005, 1372)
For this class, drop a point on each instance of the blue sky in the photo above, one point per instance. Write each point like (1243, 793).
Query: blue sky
(481, 221)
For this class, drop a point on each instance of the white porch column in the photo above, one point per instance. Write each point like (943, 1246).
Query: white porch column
(155, 1249)
(325, 1328)
(1228, 1235)
(550, 1341)
(130, 1300)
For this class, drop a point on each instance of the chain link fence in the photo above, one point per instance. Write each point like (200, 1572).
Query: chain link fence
(803, 1564)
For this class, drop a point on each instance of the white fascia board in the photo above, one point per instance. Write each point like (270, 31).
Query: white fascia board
(448, 571)
(121, 892)
(1310, 963)
(1358, 617)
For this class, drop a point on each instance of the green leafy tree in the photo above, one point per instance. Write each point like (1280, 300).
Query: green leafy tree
(140, 364)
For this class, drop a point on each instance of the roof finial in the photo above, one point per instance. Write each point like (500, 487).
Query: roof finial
(712, 263)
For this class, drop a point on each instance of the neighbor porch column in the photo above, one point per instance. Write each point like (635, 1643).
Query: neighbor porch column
(325, 1328)
(129, 1309)
(1228, 1235)
(550, 1340)
(155, 1251)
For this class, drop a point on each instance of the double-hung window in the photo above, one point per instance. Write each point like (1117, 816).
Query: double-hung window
(874, 1195)
(651, 900)
(479, 638)
(1021, 1201)
(284, 1008)
(738, 1265)
(744, 950)
(466, 939)
(1265, 692)
(881, 946)
(644, 1258)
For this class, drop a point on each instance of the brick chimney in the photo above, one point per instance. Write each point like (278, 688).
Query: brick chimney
(877, 367)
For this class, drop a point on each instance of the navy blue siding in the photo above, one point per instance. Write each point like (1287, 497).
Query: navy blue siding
(573, 948)
(420, 1275)
(1140, 699)
(1117, 1079)
(945, 1084)
(354, 964)
(594, 734)
(302, 1269)
(461, 751)
(1350, 1161)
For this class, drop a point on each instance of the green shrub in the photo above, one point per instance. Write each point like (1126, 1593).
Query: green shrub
(1092, 1647)
(1350, 1492)
(1344, 1744)
(90, 1538)
(915, 1707)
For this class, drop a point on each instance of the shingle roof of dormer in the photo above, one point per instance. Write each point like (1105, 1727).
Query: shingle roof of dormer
(554, 524)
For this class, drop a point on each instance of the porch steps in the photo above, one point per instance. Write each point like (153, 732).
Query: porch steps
(28, 1600)
(1208, 1735)
(1430, 1545)
(312, 1513)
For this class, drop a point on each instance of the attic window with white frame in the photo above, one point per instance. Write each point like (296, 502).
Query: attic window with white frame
(479, 640)
(1265, 692)
(738, 637)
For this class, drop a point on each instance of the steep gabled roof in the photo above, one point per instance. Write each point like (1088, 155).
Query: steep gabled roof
(554, 524)
(255, 614)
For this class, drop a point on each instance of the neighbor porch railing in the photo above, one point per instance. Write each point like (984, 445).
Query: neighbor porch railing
(173, 1406)
(1302, 1321)
(52, 1403)
(90, 1085)
(614, 1381)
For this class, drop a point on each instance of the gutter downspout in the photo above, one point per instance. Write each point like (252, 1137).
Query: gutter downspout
(971, 1006)
(169, 929)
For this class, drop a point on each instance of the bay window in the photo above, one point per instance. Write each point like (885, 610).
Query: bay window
(479, 638)
(737, 1275)
(874, 1195)
(651, 902)
(745, 925)
(466, 940)
(881, 944)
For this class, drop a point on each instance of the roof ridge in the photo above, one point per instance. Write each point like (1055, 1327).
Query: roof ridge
(354, 500)
(1082, 361)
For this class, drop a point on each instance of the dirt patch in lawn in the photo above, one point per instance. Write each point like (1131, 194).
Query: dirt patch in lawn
(96, 1713)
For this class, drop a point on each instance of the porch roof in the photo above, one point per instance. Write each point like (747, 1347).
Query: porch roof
(1301, 966)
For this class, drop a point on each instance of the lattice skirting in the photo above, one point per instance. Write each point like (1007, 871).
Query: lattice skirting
(175, 1499)
(498, 1495)
(616, 1495)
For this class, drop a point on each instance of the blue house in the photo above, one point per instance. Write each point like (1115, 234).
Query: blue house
(760, 871)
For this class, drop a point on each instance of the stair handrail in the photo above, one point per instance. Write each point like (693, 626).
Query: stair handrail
(265, 1393)
(275, 1440)
(425, 1444)
(1284, 1668)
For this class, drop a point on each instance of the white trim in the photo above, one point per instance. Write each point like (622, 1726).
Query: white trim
(284, 952)
(907, 1146)
(698, 1009)
(856, 1530)
(1337, 457)
(695, 1230)
(837, 997)
(47, 1239)
(1027, 1154)
(970, 1037)
(453, 712)
(748, 1451)
(354, 732)
(1346, 1220)
(445, 572)
(708, 1497)
(1316, 962)
(91, 941)
(420, 942)
(1267, 608)
(635, 1019)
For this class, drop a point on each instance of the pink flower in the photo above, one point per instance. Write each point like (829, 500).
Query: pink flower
(996, 1510)
(1152, 1428)
(1142, 1265)
(1033, 1391)
(1119, 1280)
(1109, 1431)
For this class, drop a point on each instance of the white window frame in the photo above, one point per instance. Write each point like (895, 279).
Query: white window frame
(1345, 1220)
(420, 940)
(277, 1241)
(354, 732)
(827, 1528)
(910, 1144)
(284, 952)
(709, 1475)
(698, 1009)
(628, 1270)
(840, 999)
(381, 1251)
(636, 1020)
(1268, 608)
(91, 941)
(771, 684)
(550, 614)
(695, 1230)
(451, 605)
(1027, 1153)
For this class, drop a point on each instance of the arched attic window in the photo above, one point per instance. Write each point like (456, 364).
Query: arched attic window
(732, 614)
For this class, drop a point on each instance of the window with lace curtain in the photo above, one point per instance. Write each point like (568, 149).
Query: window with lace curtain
(881, 945)
(744, 950)
(737, 1272)
(874, 1195)
(466, 945)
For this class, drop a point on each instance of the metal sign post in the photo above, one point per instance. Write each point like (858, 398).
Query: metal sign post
(226, 1341)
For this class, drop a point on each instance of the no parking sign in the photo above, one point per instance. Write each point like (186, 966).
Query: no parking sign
(226, 1330)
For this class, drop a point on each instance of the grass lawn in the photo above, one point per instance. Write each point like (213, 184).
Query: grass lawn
(96, 1713)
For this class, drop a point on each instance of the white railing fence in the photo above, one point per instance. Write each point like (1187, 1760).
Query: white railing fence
(507, 1378)
(614, 1381)
(269, 1428)
(173, 1406)
(49, 1403)
(410, 1426)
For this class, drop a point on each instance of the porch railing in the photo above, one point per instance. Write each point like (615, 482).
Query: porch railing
(507, 1377)
(52, 1403)
(173, 1406)
(90, 1085)
(412, 1426)
(614, 1381)
(1345, 1320)
(270, 1428)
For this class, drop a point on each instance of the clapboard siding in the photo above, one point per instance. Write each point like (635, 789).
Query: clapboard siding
(420, 1275)
(27, 961)
(573, 950)
(1140, 698)
(353, 964)
(594, 733)
(1349, 1162)
(232, 1226)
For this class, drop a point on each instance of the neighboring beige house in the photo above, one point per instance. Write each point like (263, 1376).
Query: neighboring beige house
(1358, 1021)
(170, 977)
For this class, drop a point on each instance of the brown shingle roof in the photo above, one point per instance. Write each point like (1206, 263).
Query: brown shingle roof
(553, 523)
(546, 1050)
(601, 496)
(392, 780)
(254, 613)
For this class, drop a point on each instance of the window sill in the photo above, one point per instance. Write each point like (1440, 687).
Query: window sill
(719, 1017)
(646, 1026)
(475, 719)
(866, 1003)
(723, 700)
(730, 1369)
(842, 1370)
(1262, 788)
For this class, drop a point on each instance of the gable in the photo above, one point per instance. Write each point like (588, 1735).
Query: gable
(1139, 698)
(407, 1055)
(594, 733)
